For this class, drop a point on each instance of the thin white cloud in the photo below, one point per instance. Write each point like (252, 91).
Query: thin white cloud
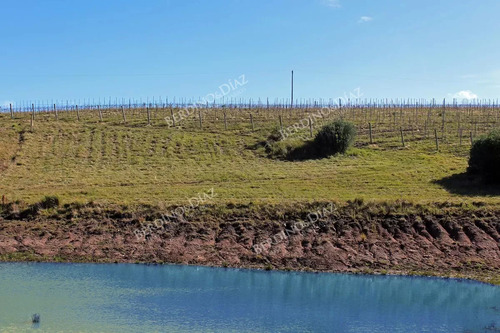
(464, 94)
(365, 19)
(332, 3)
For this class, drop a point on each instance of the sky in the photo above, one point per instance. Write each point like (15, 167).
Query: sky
(58, 50)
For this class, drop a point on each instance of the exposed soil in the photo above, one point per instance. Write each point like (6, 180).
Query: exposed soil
(465, 244)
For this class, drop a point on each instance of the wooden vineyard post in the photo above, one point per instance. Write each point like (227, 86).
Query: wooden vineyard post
(402, 137)
(370, 130)
(100, 112)
(55, 110)
(149, 115)
(281, 123)
(172, 116)
(77, 113)
(32, 120)
(33, 111)
(251, 121)
(123, 114)
(11, 112)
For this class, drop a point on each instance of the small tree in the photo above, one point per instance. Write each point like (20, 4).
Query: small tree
(484, 157)
(335, 138)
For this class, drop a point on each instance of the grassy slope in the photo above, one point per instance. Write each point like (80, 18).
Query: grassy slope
(129, 164)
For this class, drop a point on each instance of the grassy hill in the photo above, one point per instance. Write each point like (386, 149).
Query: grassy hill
(419, 214)
(113, 161)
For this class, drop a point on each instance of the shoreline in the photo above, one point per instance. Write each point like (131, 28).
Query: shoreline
(356, 238)
(458, 276)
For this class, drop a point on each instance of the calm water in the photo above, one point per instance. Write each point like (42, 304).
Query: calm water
(138, 298)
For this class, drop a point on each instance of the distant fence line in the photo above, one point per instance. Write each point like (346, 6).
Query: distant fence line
(45, 106)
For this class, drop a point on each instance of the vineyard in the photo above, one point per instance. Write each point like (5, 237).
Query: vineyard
(158, 153)
(417, 120)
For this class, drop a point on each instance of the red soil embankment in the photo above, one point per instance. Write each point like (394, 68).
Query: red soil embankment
(464, 244)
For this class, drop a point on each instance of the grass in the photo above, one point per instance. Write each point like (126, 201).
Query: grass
(113, 162)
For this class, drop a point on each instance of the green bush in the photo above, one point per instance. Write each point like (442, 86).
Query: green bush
(277, 147)
(484, 157)
(334, 138)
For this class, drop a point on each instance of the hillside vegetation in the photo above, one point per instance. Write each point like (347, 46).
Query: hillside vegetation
(113, 161)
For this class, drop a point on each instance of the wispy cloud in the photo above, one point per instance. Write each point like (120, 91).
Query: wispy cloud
(464, 94)
(332, 3)
(365, 19)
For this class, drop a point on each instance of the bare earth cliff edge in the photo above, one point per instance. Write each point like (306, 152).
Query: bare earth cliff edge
(440, 239)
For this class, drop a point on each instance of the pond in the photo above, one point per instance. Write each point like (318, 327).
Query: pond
(171, 298)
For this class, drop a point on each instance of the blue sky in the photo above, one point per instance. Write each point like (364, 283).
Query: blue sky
(56, 49)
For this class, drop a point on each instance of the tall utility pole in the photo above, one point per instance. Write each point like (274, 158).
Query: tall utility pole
(291, 100)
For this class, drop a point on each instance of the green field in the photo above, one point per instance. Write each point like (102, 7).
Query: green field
(118, 162)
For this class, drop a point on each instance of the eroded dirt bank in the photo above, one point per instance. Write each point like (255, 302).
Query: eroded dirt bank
(460, 243)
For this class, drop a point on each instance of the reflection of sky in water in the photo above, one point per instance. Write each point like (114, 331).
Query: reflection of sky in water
(138, 298)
